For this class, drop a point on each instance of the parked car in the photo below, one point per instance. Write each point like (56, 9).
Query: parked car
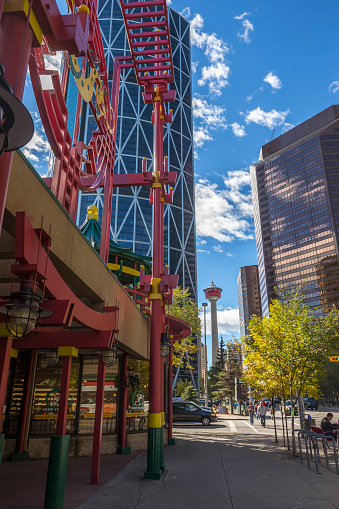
(187, 411)
(289, 408)
(310, 404)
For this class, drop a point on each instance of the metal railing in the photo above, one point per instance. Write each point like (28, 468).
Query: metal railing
(310, 439)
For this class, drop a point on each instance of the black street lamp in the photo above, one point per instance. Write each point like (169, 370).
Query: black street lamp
(16, 124)
(108, 357)
(24, 311)
(164, 345)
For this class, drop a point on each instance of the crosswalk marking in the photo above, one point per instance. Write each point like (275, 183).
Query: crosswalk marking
(251, 426)
(232, 426)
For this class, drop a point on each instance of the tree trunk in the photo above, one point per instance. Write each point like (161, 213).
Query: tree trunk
(292, 409)
(275, 425)
(282, 420)
(287, 437)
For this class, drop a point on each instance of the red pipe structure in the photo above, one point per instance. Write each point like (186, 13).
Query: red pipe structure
(122, 444)
(99, 405)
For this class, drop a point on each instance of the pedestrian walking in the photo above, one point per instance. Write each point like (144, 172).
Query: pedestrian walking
(251, 412)
(262, 413)
(257, 411)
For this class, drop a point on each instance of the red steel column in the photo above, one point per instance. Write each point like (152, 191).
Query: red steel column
(122, 448)
(154, 417)
(15, 47)
(97, 434)
(23, 423)
(170, 395)
(5, 359)
(64, 390)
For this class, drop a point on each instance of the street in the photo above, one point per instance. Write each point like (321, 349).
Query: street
(229, 464)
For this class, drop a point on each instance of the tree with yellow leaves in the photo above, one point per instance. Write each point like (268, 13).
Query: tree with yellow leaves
(287, 347)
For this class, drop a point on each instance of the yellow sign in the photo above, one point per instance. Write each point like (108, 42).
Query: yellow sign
(50, 416)
(92, 416)
(136, 414)
(334, 359)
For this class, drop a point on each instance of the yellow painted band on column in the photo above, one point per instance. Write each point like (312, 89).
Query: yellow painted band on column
(14, 353)
(23, 6)
(162, 418)
(4, 332)
(156, 185)
(67, 351)
(154, 420)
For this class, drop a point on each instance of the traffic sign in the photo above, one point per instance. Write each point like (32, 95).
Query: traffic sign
(334, 359)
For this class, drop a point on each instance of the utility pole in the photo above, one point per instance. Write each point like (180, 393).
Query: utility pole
(204, 305)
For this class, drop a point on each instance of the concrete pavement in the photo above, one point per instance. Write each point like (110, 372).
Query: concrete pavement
(233, 467)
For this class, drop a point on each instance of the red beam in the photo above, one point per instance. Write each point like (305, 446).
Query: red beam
(77, 338)
(146, 3)
(27, 391)
(145, 14)
(160, 33)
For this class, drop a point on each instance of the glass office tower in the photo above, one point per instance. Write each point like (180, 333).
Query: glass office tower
(131, 224)
(295, 187)
(248, 296)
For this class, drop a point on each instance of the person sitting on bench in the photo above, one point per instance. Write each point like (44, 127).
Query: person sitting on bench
(328, 427)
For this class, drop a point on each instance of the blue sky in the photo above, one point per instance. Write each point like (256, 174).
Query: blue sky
(258, 66)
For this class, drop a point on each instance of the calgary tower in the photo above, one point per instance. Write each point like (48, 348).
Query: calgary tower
(213, 294)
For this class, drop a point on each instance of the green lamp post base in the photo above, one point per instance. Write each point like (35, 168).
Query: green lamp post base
(172, 441)
(123, 450)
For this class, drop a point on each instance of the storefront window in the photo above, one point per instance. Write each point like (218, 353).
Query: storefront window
(47, 394)
(88, 396)
(137, 396)
(14, 394)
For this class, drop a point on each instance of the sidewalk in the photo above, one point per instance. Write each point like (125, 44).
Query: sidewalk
(217, 471)
(22, 484)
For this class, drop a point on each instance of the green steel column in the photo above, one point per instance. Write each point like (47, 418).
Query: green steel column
(153, 450)
(162, 443)
(57, 470)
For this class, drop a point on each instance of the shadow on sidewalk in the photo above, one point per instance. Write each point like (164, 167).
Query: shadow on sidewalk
(22, 484)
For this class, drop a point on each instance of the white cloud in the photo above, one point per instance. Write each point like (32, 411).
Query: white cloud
(334, 87)
(237, 190)
(37, 147)
(202, 251)
(247, 26)
(230, 255)
(215, 76)
(220, 213)
(228, 320)
(194, 66)
(209, 116)
(201, 135)
(218, 248)
(286, 127)
(186, 12)
(238, 130)
(273, 80)
(269, 119)
(242, 16)
(249, 98)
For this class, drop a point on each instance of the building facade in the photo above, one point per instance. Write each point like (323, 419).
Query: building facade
(295, 187)
(131, 224)
(248, 296)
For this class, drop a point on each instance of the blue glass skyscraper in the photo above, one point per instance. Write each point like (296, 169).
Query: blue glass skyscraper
(131, 224)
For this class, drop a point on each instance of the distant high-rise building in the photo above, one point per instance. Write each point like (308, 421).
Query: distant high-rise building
(131, 224)
(213, 294)
(248, 296)
(295, 187)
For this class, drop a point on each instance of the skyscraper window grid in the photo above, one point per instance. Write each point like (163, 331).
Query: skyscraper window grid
(296, 232)
(131, 224)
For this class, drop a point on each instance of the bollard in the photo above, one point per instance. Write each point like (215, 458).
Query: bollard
(57, 470)
(2, 437)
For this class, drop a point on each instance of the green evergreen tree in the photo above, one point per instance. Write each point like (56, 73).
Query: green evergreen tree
(181, 386)
(225, 386)
(190, 394)
(214, 371)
